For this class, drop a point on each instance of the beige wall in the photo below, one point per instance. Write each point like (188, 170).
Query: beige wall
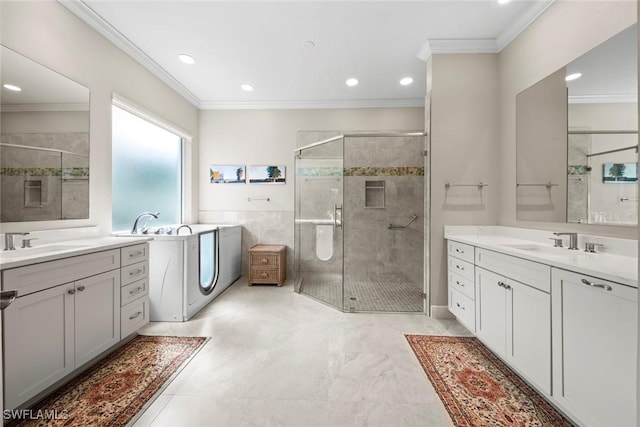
(464, 150)
(260, 137)
(264, 137)
(47, 33)
(564, 32)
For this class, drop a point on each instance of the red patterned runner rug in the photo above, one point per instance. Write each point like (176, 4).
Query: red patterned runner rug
(116, 389)
(477, 388)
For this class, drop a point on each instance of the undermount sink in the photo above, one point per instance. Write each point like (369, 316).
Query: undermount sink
(38, 250)
(530, 247)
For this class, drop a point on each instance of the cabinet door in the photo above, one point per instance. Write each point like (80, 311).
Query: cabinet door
(38, 343)
(529, 333)
(491, 311)
(97, 315)
(595, 337)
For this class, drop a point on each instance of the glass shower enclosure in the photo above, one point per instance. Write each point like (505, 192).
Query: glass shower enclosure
(359, 222)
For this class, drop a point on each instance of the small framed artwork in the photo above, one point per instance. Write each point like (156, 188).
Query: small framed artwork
(267, 174)
(619, 173)
(227, 174)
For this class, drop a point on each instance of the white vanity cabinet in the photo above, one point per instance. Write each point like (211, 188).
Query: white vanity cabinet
(460, 280)
(594, 341)
(68, 312)
(514, 318)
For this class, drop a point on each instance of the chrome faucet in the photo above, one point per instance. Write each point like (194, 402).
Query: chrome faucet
(134, 229)
(9, 243)
(573, 239)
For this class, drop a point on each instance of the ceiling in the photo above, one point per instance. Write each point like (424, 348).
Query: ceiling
(268, 44)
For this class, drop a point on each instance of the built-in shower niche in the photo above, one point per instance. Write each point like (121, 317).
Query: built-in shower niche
(374, 196)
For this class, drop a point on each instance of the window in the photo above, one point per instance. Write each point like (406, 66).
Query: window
(146, 171)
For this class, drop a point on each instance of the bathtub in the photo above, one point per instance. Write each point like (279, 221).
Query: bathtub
(188, 270)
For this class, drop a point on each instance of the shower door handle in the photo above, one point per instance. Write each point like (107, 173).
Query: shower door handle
(337, 216)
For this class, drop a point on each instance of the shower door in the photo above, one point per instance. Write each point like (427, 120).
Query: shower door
(318, 221)
(384, 206)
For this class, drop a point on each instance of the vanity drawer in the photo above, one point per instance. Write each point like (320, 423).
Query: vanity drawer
(44, 275)
(132, 254)
(265, 259)
(462, 285)
(133, 291)
(461, 268)
(460, 250)
(524, 271)
(133, 316)
(134, 272)
(463, 308)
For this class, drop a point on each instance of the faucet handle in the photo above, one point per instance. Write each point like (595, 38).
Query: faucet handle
(26, 243)
(591, 247)
(557, 242)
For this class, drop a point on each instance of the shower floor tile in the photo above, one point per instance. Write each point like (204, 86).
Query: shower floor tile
(392, 296)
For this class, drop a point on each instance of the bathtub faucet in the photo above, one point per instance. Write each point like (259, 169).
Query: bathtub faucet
(185, 226)
(134, 229)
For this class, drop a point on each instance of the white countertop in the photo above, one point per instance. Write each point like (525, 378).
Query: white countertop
(609, 266)
(56, 250)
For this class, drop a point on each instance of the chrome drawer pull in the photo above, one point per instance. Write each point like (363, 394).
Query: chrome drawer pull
(459, 268)
(134, 273)
(459, 284)
(136, 290)
(71, 291)
(81, 288)
(597, 285)
(502, 285)
(135, 254)
(459, 306)
(135, 315)
(459, 251)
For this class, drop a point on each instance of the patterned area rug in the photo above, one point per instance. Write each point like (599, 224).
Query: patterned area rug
(114, 391)
(477, 388)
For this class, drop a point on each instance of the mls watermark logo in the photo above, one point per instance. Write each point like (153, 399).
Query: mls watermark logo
(35, 414)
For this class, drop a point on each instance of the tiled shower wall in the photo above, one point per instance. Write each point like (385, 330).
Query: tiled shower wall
(372, 250)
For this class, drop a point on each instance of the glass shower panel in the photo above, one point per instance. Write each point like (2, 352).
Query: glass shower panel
(318, 222)
(384, 205)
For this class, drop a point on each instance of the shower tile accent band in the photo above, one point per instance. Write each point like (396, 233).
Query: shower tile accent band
(384, 171)
(66, 172)
(362, 171)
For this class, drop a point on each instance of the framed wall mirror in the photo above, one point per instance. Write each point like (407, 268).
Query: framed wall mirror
(44, 143)
(577, 139)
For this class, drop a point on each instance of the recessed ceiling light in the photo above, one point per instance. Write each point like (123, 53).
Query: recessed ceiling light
(352, 82)
(186, 59)
(573, 76)
(503, 1)
(406, 81)
(246, 87)
(12, 87)
(309, 44)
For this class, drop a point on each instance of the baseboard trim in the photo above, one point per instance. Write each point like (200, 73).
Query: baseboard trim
(441, 312)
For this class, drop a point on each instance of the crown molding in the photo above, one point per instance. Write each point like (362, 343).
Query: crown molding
(453, 46)
(625, 98)
(95, 21)
(311, 105)
(522, 22)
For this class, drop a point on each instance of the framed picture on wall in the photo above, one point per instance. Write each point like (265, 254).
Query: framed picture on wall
(227, 174)
(267, 174)
(619, 173)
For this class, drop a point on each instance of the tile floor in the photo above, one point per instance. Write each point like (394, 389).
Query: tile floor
(277, 358)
